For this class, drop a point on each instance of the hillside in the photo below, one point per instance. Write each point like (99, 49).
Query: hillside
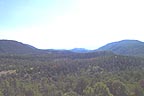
(125, 47)
(14, 47)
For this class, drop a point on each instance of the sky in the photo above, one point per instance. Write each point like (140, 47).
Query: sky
(67, 24)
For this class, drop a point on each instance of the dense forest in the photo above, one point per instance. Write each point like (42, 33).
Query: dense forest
(65, 73)
(77, 74)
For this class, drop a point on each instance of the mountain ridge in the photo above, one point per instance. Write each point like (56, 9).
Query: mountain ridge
(15, 47)
(125, 47)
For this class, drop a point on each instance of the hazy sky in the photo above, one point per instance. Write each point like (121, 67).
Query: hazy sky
(66, 24)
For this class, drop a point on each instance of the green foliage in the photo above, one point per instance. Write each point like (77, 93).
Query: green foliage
(74, 74)
(89, 91)
(118, 88)
(100, 89)
(71, 93)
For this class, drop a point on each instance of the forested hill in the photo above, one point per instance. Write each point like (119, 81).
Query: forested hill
(125, 47)
(14, 47)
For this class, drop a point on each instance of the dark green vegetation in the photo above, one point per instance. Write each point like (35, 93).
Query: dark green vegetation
(64, 73)
(125, 47)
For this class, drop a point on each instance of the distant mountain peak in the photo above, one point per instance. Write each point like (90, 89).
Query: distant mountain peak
(130, 41)
(80, 50)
